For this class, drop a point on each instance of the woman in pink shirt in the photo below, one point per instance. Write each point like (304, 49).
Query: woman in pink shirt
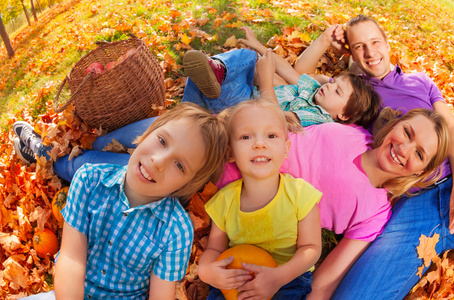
(357, 174)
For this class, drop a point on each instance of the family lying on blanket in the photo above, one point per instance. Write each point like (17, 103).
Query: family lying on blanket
(127, 235)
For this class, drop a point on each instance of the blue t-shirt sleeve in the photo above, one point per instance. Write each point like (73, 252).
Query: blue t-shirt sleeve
(172, 264)
(75, 212)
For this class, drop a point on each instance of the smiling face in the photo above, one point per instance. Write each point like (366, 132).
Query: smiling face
(408, 147)
(369, 48)
(333, 96)
(258, 140)
(167, 159)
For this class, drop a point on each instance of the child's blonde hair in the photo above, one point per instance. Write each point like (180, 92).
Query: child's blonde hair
(214, 135)
(229, 113)
(387, 119)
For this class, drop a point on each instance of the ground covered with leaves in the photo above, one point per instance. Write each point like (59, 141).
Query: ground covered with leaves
(421, 39)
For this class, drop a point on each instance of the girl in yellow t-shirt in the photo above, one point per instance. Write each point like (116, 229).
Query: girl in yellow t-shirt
(265, 208)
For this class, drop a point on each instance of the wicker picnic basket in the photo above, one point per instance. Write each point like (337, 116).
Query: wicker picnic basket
(129, 92)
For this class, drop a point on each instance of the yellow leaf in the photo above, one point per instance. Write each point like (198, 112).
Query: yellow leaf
(185, 39)
(230, 42)
(304, 37)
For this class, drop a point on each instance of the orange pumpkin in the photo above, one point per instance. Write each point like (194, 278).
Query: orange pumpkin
(58, 202)
(249, 254)
(45, 242)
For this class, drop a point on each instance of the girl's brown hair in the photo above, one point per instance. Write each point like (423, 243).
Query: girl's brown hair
(215, 136)
(387, 119)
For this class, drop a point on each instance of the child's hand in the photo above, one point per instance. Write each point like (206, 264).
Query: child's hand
(266, 66)
(265, 284)
(218, 276)
(336, 35)
(250, 40)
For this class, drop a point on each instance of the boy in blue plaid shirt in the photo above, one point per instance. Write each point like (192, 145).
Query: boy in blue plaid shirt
(126, 235)
(227, 79)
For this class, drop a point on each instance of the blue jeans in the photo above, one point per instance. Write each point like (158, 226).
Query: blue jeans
(125, 135)
(387, 269)
(237, 85)
(297, 289)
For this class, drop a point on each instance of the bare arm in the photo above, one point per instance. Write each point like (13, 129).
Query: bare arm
(265, 68)
(283, 67)
(214, 272)
(333, 36)
(161, 289)
(443, 109)
(269, 280)
(322, 79)
(71, 265)
(333, 269)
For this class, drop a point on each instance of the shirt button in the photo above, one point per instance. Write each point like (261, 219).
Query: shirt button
(103, 272)
(89, 296)
(125, 214)
(110, 243)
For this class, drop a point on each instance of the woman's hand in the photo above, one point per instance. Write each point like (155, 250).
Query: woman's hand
(216, 274)
(265, 284)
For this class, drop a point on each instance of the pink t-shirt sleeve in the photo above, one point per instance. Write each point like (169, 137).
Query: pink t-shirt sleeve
(371, 224)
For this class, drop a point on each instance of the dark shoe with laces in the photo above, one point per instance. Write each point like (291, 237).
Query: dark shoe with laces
(23, 152)
(25, 132)
(205, 72)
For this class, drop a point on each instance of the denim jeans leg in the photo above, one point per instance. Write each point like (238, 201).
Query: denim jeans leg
(194, 95)
(67, 168)
(215, 294)
(387, 269)
(125, 135)
(296, 289)
(237, 85)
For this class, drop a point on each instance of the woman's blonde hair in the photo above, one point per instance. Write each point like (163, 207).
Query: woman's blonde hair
(387, 119)
(228, 113)
(214, 135)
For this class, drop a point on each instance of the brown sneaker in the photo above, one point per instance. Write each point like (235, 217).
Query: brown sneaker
(206, 73)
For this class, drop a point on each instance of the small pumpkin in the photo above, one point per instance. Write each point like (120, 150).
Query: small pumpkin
(45, 242)
(58, 202)
(249, 254)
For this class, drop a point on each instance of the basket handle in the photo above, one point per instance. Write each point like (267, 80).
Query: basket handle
(68, 102)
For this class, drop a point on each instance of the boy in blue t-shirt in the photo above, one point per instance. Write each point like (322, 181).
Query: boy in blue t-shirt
(126, 235)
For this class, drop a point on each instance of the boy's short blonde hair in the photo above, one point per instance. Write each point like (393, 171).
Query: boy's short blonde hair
(214, 135)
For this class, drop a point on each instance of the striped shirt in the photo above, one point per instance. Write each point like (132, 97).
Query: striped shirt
(125, 244)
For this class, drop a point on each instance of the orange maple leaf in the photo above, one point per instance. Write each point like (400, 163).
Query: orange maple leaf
(426, 248)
